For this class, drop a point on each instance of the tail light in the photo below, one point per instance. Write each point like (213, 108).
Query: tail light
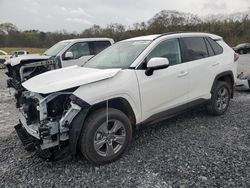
(236, 57)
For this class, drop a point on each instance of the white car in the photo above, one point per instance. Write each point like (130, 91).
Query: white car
(136, 81)
(3, 58)
(19, 53)
(63, 54)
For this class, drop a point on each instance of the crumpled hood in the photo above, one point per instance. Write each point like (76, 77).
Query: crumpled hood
(17, 60)
(66, 78)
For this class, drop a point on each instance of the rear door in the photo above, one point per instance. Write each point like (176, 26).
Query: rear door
(202, 64)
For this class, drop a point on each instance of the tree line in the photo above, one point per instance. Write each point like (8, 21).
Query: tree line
(234, 29)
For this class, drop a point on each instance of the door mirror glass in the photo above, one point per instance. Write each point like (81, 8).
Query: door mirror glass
(156, 63)
(68, 55)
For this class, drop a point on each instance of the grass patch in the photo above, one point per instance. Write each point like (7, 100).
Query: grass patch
(30, 50)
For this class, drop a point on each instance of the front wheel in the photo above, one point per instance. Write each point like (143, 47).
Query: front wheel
(220, 99)
(103, 139)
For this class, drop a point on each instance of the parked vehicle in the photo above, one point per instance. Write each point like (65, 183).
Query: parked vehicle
(3, 57)
(63, 54)
(18, 53)
(242, 48)
(136, 81)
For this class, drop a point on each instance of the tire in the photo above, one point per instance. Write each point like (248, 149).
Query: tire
(220, 99)
(98, 142)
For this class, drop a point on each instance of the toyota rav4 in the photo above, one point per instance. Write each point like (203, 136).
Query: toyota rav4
(94, 108)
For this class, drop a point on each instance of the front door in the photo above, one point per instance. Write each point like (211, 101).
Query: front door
(81, 54)
(166, 88)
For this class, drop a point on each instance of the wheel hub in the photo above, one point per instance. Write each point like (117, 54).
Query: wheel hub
(110, 138)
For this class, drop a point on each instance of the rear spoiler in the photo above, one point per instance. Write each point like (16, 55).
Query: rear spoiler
(215, 37)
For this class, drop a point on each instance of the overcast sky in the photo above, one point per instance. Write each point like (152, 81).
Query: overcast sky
(77, 15)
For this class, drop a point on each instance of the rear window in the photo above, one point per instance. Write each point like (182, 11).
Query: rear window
(20, 53)
(195, 48)
(215, 46)
(99, 46)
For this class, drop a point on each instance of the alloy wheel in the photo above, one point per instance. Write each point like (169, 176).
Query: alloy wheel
(222, 99)
(109, 138)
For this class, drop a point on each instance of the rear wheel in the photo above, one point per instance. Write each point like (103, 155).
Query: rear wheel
(220, 98)
(103, 139)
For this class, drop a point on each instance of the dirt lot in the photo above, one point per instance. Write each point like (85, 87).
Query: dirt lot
(191, 150)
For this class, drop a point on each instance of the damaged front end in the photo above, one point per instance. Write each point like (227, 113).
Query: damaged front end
(25, 70)
(46, 122)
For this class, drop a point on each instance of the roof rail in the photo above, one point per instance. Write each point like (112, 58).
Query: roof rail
(175, 32)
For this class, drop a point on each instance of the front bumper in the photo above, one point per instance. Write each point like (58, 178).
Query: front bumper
(46, 133)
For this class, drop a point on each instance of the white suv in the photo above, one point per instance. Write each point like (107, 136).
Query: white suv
(136, 81)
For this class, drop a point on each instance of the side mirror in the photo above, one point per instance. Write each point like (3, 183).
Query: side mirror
(68, 55)
(156, 63)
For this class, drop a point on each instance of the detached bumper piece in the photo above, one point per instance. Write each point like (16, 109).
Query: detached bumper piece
(31, 145)
(12, 83)
(25, 138)
(243, 82)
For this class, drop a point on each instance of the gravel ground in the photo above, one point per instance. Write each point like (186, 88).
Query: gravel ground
(191, 150)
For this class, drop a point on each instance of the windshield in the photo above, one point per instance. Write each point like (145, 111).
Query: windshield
(54, 50)
(119, 55)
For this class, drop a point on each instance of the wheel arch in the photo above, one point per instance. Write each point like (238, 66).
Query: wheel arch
(78, 122)
(226, 76)
(119, 103)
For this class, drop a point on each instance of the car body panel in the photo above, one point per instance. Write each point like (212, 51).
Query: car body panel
(123, 85)
(20, 59)
(66, 78)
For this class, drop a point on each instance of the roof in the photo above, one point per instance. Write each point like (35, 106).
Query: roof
(87, 39)
(182, 34)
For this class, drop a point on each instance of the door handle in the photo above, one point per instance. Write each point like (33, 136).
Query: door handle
(182, 74)
(215, 64)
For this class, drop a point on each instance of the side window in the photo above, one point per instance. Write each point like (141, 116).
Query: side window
(195, 48)
(20, 53)
(99, 46)
(167, 49)
(209, 48)
(216, 47)
(79, 49)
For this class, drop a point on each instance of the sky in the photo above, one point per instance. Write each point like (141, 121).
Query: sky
(77, 15)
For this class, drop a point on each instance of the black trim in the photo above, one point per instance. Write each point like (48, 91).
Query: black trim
(149, 71)
(132, 68)
(226, 73)
(76, 129)
(79, 101)
(173, 112)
